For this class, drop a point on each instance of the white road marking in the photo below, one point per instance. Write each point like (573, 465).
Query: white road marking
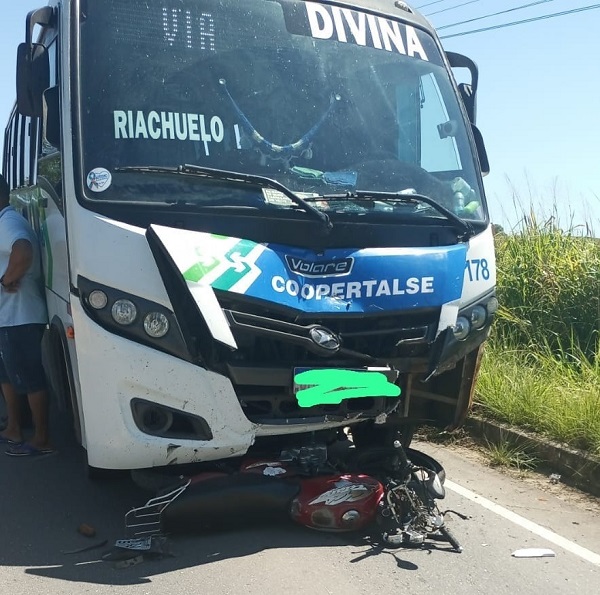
(525, 523)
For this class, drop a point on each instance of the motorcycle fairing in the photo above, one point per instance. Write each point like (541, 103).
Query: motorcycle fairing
(337, 502)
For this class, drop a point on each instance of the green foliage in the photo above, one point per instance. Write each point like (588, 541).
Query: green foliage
(554, 395)
(548, 288)
(505, 454)
(541, 368)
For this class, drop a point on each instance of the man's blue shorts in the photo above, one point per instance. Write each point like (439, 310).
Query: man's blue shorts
(21, 357)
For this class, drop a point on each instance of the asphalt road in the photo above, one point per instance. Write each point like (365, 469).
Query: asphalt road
(43, 501)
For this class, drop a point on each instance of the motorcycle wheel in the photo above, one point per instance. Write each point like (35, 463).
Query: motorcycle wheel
(420, 459)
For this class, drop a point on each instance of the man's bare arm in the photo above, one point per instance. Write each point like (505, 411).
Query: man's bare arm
(21, 257)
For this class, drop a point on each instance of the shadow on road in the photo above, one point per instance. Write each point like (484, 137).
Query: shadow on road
(44, 501)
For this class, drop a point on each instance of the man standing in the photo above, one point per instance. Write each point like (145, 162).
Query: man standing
(23, 319)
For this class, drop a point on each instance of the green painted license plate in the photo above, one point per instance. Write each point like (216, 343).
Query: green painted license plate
(330, 386)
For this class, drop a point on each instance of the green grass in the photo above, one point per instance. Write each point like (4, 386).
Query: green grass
(549, 289)
(505, 454)
(541, 368)
(540, 391)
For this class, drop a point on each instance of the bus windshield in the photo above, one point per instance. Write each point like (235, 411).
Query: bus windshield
(322, 99)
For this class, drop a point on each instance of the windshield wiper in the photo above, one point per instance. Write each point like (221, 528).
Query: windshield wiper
(372, 195)
(238, 178)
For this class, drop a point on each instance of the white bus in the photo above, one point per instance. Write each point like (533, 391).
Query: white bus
(259, 220)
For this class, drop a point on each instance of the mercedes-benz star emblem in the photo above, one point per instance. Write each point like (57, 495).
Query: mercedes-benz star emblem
(324, 338)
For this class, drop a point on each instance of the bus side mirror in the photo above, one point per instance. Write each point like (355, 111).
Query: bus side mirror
(33, 66)
(481, 152)
(51, 119)
(467, 91)
(33, 78)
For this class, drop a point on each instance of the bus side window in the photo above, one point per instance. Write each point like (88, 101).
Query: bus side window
(17, 165)
(438, 152)
(15, 151)
(51, 121)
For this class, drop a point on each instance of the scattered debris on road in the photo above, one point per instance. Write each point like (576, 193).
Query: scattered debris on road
(534, 552)
(86, 530)
(127, 552)
(87, 548)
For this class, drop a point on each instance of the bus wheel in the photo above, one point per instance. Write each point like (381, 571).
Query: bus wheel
(61, 383)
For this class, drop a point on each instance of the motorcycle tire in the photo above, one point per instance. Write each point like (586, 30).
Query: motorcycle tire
(420, 459)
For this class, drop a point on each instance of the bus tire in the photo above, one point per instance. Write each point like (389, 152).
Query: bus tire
(61, 382)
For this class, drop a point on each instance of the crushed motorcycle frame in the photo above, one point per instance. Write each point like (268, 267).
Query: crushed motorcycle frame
(391, 492)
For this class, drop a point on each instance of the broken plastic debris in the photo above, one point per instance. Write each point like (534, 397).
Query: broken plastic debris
(154, 546)
(86, 530)
(534, 552)
(273, 471)
(142, 543)
(129, 562)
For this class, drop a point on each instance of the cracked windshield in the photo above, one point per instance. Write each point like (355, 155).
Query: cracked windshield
(324, 100)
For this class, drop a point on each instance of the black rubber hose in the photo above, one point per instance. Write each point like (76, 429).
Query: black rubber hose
(451, 539)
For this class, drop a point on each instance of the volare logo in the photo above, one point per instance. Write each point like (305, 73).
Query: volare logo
(326, 268)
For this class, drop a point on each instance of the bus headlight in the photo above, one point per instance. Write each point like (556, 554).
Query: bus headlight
(98, 299)
(478, 316)
(133, 317)
(156, 324)
(461, 328)
(124, 312)
(492, 305)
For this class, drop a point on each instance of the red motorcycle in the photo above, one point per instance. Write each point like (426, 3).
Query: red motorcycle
(390, 489)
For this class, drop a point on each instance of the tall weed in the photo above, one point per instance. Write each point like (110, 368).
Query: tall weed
(541, 367)
(548, 288)
(555, 395)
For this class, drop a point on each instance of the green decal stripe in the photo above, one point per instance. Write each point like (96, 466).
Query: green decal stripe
(49, 260)
(237, 270)
(330, 387)
(199, 270)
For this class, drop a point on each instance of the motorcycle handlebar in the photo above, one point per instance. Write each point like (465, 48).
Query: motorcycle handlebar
(401, 453)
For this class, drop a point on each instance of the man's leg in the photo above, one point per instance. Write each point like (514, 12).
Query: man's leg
(13, 429)
(38, 402)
